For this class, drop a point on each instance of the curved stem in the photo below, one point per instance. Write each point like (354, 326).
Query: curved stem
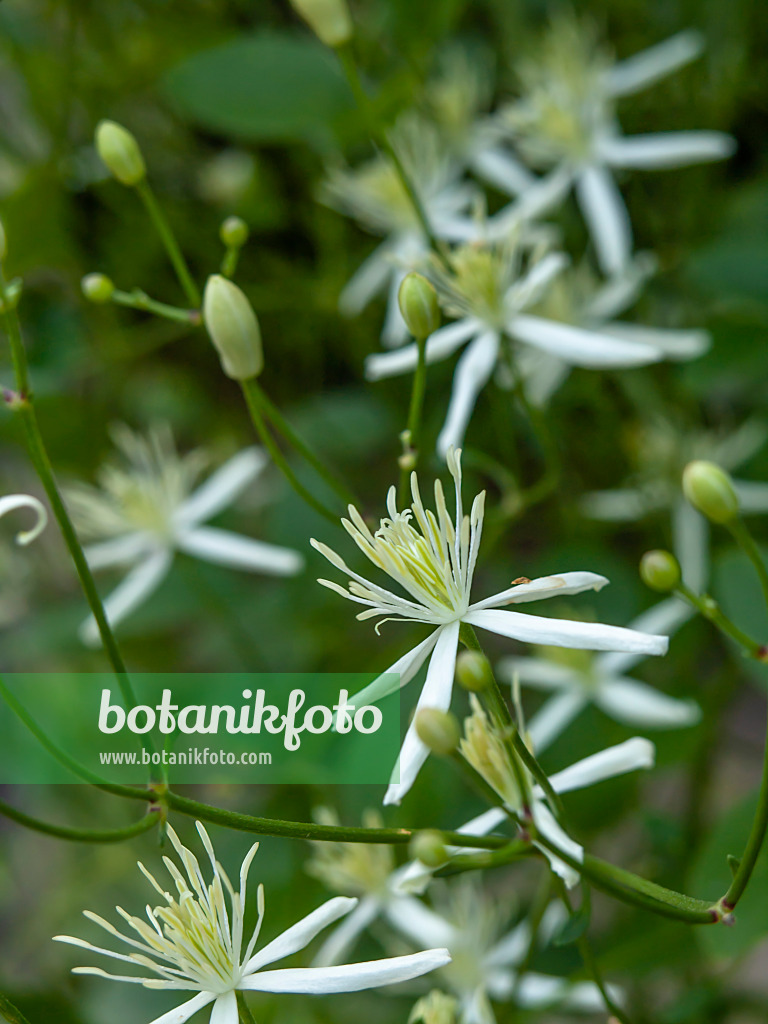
(137, 299)
(244, 1014)
(82, 835)
(710, 609)
(168, 239)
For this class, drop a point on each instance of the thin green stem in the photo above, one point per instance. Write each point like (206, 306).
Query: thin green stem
(744, 539)
(710, 609)
(83, 835)
(515, 850)
(414, 418)
(244, 1014)
(168, 239)
(281, 424)
(229, 263)
(11, 1013)
(253, 399)
(137, 299)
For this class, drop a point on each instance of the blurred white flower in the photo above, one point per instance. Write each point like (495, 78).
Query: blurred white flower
(432, 557)
(374, 195)
(12, 502)
(488, 290)
(565, 119)
(484, 959)
(146, 509)
(194, 943)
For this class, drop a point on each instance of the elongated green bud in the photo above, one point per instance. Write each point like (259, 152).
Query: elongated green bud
(418, 304)
(710, 490)
(659, 570)
(438, 730)
(428, 847)
(120, 152)
(97, 287)
(234, 232)
(233, 327)
(473, 671)
(328, 19)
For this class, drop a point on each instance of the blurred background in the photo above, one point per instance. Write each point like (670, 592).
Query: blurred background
(238, 111)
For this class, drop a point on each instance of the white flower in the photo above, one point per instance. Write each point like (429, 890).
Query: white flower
(374, 195)
(566, 119)
(146, 509)
(489, 291)
(12, 502)
(432, 557)
(484, 960)
(193, 943)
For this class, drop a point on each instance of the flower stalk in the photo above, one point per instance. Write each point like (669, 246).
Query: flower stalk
(170, 244)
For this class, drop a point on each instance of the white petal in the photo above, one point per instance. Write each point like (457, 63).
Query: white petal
(638, 704)
(538, 672)
(590, 636)
(581, 346)
(441, 344)
(657, 150)
(368, 280)
(419, 923)
(223, 487)
(674, 344)
(128, 595)
(224, 548)
(349, 977)
(394, 331)
(664, 617)
(343, 937)
(539, 199)
(542, 373)
(436, 693)
(300, 934)
(225, 1009)
(607, 764)
(538, 990)
(621, 290)
(553, 717)
(545, 586)
(471, 375)
(499, 167)
(12, 502)
(531, 288)
(547, 825)
(645, 68)
(186, 1010)
(510, 950)
(619, 506)
(753, 495)
(690, 535)
(397, 675)
(118, 551)
(606, 216)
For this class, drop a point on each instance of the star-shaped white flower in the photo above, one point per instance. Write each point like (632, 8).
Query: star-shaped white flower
(194, 942)
(484, 959)
(489, 288)
(432, 557)
(146, 510)
(374, 195)
(565, 119)
(13, 502)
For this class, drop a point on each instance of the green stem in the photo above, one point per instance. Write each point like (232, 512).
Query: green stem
(281, 424)
(229, 263)
(709, 608)
(744, 539)
(137, 299)
(11, 1013)
(168, 239)
(253, 398)
(82, 835)
(414, 417)
(514, 851)
(244, 1014)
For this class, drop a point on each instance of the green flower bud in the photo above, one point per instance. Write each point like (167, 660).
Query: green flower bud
(418, 304)
(233, 327)
(328, 19)
(473, 671)
(3, 243)
(438, 730)
(710, 490)
(97, 287)
(120, 152)
(660, 570)
(428, 847)
(234, 232)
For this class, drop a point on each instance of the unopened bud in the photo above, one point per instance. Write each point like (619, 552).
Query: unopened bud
(329, 19)
(659, 570)
(710, 490)
(97, 287)
(234, 232)
(120, 152)
(407, 461)
(418, 304)
(473, 671)
(438, 730)
(233, 327)
(428, 847)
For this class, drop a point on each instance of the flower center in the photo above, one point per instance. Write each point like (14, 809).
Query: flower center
(198, 942)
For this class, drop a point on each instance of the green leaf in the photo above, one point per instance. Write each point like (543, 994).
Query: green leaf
(709, 878)
(573, 929)
(268, 87)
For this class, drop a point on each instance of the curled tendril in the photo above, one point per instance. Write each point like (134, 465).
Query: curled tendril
(13, 501)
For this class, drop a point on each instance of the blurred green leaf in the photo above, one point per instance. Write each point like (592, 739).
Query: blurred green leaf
(268, 87)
